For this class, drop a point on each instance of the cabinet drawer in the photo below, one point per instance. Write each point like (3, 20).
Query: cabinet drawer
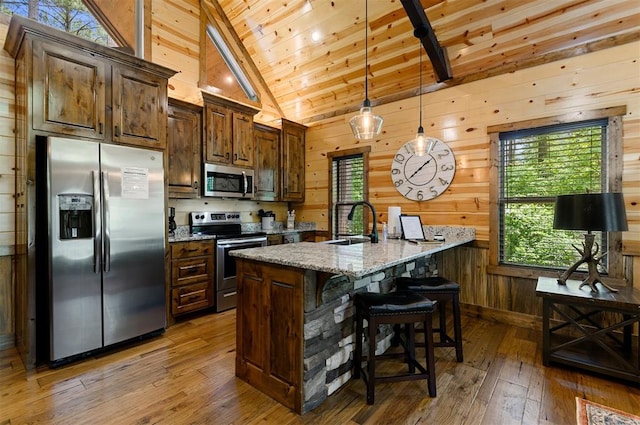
(191, 249)
(274, 239)
(191, 297)
(191, 270)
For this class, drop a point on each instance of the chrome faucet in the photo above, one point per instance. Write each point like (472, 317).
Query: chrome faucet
(374, 232)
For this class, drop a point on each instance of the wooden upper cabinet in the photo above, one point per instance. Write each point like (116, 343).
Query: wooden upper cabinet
(228, 137)
(242, 139)
(139, 107)
(217, 142)
(80, 88)
(184, 146)
(70, 95)
(293, 165)
(266, 162)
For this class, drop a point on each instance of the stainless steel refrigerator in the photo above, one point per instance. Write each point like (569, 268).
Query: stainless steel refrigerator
(100, 271)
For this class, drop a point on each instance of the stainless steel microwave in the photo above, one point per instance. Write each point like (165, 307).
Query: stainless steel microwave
(228, 182)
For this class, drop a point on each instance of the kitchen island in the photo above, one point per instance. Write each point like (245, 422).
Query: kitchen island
(295, 327)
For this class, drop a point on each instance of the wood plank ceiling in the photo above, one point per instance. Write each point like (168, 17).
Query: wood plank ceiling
(316, 79)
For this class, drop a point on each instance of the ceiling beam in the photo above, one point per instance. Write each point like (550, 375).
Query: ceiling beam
(423, 31)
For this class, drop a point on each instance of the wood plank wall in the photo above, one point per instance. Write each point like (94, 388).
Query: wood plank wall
(7, 144)
(7, 189)
(460, 116)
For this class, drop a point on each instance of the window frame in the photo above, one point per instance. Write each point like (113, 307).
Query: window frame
(331, 156)
(612, 182)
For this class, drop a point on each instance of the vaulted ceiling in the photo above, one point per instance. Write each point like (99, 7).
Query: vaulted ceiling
(312, 79)
(307, 57)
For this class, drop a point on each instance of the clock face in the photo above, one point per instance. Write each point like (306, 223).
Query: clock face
(425, 177)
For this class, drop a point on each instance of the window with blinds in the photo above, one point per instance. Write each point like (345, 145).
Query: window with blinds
(535, 166)
(348, 185)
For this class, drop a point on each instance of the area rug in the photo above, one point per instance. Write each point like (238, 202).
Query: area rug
(590, 413)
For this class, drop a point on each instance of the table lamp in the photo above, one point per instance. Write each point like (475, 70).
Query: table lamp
(602, 212)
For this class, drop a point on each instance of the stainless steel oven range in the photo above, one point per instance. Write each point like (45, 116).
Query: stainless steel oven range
(226, 229)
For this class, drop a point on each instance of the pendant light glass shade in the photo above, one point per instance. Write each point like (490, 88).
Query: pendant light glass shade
(366, 125)
(423, 145)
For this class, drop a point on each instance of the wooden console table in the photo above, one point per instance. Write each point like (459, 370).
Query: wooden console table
(580, 339)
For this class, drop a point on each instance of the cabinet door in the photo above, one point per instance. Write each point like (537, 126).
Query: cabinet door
(267, 164)
(139, 108)
(184, 143)
(69, 97)
(270, 331)
(242, 139)
(217, 139)
(292, 161)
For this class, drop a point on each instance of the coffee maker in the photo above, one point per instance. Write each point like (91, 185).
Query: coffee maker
(172, 221)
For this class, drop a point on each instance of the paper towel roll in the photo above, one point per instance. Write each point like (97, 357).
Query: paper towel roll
(393, 214)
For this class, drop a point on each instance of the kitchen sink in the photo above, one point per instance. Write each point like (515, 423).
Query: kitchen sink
(352, 240)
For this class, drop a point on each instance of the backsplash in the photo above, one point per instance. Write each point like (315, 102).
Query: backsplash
(248, 209)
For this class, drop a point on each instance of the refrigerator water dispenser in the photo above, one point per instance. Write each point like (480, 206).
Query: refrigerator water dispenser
(75, 216)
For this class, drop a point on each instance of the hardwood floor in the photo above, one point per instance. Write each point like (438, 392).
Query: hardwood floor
(186, 376)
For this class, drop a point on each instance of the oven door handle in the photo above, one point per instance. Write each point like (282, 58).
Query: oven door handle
(239, 242)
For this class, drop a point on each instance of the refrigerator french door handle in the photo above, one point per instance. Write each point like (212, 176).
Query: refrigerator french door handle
(97, 225)
(106, 219)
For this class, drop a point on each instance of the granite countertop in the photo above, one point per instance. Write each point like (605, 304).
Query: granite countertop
(354, 260)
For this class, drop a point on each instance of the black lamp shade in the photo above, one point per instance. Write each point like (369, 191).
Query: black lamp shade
(591, 211)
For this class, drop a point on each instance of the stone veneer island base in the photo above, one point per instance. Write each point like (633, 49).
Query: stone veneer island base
(295, 326)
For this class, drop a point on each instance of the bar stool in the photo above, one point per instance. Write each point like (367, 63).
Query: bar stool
(444, 291)
(402, 307)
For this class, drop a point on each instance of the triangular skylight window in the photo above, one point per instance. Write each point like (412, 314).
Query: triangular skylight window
(223, 72)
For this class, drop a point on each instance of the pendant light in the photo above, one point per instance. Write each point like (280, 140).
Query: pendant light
(366, 125)
(423, 144)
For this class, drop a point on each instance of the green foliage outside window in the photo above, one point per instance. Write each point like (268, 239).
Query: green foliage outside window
(70, 16)
(536, 166)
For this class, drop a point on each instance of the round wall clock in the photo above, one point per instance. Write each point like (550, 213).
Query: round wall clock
(423, 177)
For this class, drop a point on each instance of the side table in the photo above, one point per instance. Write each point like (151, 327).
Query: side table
(579, 339)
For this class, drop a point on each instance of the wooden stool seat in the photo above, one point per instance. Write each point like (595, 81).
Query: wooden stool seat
(444, 291)
(402, 307)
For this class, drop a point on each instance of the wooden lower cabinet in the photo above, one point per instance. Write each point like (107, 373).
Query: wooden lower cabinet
(269, 325)
(274, 239)
(192, 273)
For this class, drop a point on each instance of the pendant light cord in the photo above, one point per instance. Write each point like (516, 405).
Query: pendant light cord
(420, 129)
(366, 52)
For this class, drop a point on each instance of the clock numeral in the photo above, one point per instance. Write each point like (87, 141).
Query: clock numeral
(399, 158)
(443, 181)
(446, 167)
(399, 182)
(395, 171)
(408, 191)
(442, 154)
(433, 191)
(420, 195)
(409, 148)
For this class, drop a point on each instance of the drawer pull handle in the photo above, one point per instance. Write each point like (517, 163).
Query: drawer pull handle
(230, 294)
